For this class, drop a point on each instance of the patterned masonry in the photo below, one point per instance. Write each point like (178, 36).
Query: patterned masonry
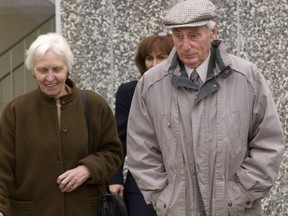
(104, 35)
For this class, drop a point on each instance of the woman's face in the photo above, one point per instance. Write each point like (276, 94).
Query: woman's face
(154, 58)
(51, 73)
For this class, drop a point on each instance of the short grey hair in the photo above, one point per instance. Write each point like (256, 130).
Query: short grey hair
(45, 42)
(211, 24)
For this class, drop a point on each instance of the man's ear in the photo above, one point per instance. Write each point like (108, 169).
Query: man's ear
(214, 32)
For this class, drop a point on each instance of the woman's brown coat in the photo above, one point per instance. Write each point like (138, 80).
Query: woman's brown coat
(34, 151)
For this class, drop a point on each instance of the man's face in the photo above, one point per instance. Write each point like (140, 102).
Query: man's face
(193, 44)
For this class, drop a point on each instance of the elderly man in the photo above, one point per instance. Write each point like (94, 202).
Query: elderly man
(204, 137)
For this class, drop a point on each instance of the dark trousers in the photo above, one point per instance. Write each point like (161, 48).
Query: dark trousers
(134, 200)
(137, 206)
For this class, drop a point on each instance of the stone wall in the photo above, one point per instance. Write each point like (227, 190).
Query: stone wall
(104, 36)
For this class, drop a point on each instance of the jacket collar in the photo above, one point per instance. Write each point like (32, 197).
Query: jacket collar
(219, 65)
(222, 59)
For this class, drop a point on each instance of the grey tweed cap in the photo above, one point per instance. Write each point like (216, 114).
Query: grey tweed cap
(190, 13)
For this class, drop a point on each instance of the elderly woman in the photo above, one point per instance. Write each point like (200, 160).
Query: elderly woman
(45, 166)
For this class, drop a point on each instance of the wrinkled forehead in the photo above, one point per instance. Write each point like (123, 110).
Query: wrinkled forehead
(189, 29)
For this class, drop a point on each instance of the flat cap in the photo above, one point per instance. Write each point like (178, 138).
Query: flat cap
(190, 13)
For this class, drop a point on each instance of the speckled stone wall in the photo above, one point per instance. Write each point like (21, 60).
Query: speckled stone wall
(104, 36)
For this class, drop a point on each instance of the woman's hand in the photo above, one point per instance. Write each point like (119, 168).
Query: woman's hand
(116, 189)
(1, 214)
(72, 179)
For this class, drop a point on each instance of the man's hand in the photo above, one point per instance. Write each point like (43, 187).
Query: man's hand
(72, 179)
(116, 189)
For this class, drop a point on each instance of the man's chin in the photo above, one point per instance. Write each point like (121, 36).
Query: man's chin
(191, 63)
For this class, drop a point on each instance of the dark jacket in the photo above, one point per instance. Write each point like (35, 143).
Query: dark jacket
(134, 200)
(124, 97)
(34, 151)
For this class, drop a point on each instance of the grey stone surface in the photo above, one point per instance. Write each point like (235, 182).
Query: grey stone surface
(104, 36)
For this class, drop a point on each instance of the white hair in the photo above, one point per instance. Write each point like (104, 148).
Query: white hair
(211, 24)
(45, 42)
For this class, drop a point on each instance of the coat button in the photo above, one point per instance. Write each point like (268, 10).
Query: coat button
(64, 129)
(248, 203)
(229, 204)
(164, 206)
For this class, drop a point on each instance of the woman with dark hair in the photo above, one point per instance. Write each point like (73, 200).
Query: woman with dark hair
(151, 50)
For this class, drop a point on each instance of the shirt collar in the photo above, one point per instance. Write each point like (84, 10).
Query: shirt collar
(201, 70)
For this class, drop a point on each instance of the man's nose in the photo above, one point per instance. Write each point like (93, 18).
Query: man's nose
(186, 43)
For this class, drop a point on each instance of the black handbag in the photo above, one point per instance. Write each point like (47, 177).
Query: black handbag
(110, 204)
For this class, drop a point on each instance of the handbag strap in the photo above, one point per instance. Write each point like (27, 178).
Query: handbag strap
(87, 118)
